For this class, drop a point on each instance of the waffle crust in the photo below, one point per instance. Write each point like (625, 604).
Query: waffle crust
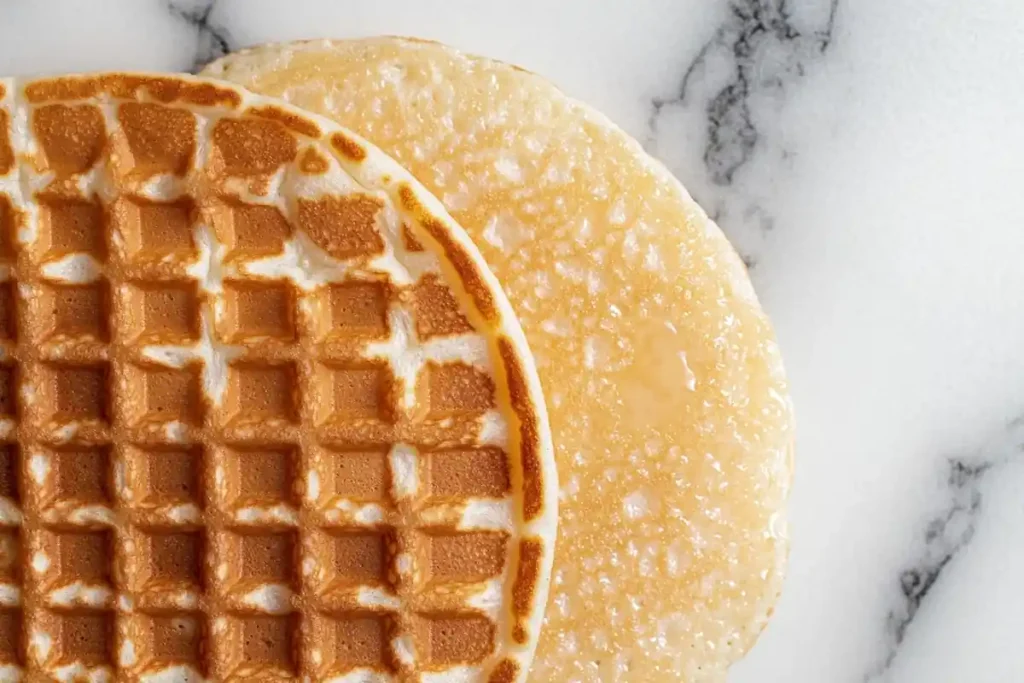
(265, 412)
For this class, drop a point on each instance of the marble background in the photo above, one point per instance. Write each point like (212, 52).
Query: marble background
(866, 157)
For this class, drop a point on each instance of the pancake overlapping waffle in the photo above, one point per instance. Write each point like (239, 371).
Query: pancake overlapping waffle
(266, 415)
(668, 401)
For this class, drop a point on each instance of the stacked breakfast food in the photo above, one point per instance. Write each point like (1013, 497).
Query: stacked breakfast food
(280, 349)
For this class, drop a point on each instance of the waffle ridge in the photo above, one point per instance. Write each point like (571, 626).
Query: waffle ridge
(251, 427)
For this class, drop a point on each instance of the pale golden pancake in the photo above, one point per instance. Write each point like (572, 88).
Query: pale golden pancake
(668, 402)
(264, 413)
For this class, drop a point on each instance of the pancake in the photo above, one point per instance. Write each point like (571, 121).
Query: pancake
(265, 413)
(668, 402)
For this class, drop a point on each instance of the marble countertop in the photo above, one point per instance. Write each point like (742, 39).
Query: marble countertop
(866, 157)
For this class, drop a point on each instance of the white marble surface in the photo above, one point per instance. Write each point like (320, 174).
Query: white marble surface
(867, 158)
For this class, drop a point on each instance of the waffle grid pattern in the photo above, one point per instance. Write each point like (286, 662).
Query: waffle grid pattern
(312, 521)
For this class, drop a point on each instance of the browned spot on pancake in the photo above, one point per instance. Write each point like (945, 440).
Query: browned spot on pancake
(128, 87)
(312, 162)
(6, 152)
(505, 672)
(348, 147)
(524, 588)
(289, 120)
(253, 146)
(3, 91)
(529, 435)
(343, 226)
(456, 254)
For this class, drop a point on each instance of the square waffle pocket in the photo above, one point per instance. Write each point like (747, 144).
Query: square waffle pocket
(264, 412)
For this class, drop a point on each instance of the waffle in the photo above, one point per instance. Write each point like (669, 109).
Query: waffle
(265, 413)
(668, 401)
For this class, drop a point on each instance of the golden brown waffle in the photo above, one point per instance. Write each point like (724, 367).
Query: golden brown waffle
(266, 415)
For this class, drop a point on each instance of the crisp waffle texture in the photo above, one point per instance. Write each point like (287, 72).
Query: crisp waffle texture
(669, 406)
(265, 413)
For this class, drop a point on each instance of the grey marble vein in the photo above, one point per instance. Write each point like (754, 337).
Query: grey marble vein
(767, 49)
(760, 49)
(946, 536)
(213, 40)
